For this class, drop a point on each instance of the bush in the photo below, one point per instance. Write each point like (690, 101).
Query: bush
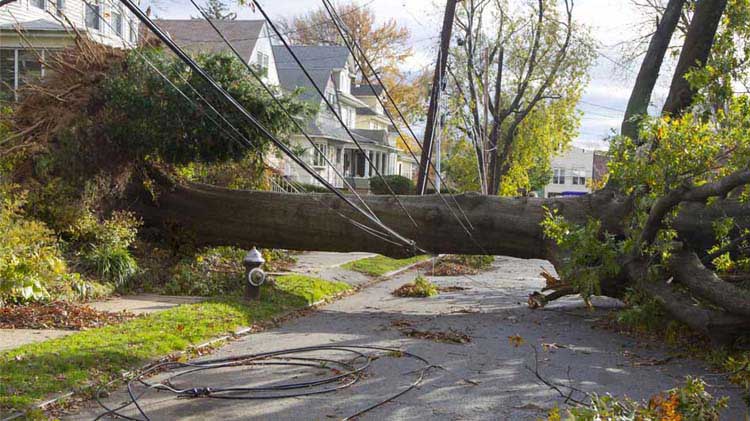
(30, 255)
(689, 402)
(400, 185)
(215, 271)
(106, 245)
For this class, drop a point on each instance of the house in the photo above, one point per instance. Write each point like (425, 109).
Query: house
(572, 172)
(250, 38)
(332, 70)
(45, 28)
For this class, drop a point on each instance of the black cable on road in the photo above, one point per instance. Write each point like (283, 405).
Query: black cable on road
(246, 114)
(343, 374)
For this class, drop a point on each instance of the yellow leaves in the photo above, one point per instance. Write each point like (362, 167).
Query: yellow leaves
(516, 340)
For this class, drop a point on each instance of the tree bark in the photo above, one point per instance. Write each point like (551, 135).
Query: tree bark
(214, 216)
(650, 67)
(695, 52)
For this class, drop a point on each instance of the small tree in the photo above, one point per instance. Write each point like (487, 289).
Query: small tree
(217, 9)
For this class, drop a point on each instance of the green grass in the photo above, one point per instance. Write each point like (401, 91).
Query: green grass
(32, 372)
(380, 265)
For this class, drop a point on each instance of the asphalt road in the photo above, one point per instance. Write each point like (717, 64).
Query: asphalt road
(488, 378)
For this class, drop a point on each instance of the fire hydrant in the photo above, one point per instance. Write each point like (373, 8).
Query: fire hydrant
(254, 275)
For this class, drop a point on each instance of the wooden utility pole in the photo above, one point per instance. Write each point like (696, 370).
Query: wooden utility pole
(437, 86)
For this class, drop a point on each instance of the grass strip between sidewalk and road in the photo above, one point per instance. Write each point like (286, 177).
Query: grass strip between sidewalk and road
(380, 265)
(33, 372)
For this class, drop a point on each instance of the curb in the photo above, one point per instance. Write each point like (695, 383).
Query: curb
(239, 333)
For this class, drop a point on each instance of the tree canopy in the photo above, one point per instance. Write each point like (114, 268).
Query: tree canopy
(515, 78)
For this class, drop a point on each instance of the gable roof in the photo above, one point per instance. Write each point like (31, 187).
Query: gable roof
(319, 60)
(365, 90)
(197, 35)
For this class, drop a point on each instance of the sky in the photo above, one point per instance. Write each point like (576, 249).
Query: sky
(610, 22)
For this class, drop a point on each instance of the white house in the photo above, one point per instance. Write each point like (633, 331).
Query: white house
(572, 172)
(332, 70)
(249, 37)
(44, 24)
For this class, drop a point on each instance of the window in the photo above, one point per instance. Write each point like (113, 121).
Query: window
(7, 70)
(263, 62)
(558, 176)
(319, 154)
(37, 3)
(93, 10)
(117, 22)
(579, 177)
(29, 67)
(60, 6)
(133, 32)
(338, 155)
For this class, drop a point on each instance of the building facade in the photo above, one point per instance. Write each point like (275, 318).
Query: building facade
(572, 172)
(332, 71)
(45, 27)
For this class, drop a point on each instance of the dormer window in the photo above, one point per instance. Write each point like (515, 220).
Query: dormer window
(37, 3)
(263, 62)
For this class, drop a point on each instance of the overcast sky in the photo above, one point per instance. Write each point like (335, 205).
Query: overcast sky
(611, 21)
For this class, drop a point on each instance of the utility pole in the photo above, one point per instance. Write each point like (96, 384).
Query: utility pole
(437, 86)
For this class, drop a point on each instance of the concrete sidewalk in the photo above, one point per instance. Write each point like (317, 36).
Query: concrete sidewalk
(489, 378)
(322, 264)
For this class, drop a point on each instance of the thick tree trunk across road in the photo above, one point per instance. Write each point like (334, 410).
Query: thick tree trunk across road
(501, 226)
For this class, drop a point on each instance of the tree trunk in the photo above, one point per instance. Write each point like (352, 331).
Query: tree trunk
(650, 67)
(695, 52)
(214, 216)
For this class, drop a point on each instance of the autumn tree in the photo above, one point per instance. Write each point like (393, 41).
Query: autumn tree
(516, 76)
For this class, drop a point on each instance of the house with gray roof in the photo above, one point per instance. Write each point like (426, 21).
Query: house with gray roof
(332, 71)
(250, 37)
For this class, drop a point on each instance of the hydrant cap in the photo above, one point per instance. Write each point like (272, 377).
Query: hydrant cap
(254, 257)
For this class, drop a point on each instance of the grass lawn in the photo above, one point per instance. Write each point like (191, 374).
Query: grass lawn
(32, 372)
(380, 265)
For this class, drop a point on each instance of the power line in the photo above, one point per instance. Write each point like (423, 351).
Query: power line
(332, 109)
(248, 142)
(281, 106)
(342, 30)
(249, 117)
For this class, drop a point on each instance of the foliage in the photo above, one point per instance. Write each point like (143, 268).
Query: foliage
(106, 245)
(460, 264)
(214, 271)
(689, 402)
(380, 265)
(217, 272)
(31, 259)
(460, 165)
(102, 354)
(520, 113)
(217, 9)
(590, 254)
(421, 287)
(398, 183)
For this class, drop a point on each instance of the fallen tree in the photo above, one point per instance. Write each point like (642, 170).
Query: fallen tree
(653, 228)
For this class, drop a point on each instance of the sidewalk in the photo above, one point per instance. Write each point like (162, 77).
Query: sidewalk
(321, 264)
